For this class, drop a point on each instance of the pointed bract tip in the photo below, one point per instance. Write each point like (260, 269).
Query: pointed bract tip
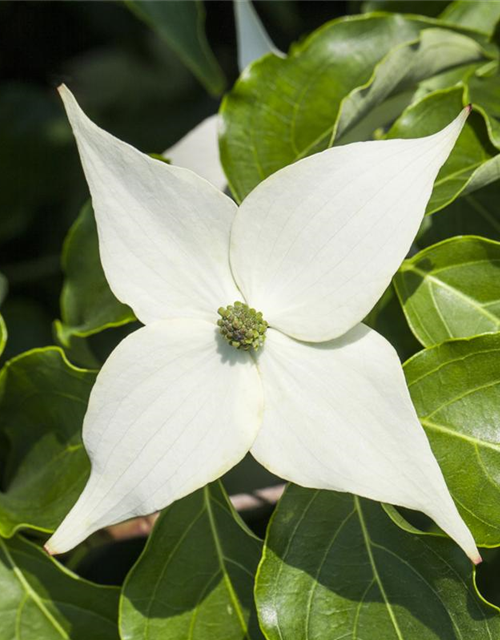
(468, 108)
(47, 548)
(476, 558)
(62, 87)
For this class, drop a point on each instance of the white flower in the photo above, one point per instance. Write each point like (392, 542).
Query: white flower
(323, 403)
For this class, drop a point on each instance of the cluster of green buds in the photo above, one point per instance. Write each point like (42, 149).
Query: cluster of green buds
(243, 327)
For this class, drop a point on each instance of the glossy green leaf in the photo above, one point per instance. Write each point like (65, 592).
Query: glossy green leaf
(41, 600)
(335, 567)
(42, 403)
(474, 161)
(195, 577)
(421, 7)
(477, 213)
(482, 16)
(451, 290)
(395, 79)
(455, 388)
(87, 304)
(484, 92)
(182, 25)
(284, 109)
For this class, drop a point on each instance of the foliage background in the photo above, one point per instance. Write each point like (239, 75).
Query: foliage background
(132, 83)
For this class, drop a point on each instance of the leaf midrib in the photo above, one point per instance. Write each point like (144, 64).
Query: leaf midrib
(433, 426)
(376, 575)
(459, 294)
(222, 563)
(31, 593)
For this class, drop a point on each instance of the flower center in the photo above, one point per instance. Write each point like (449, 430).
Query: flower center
(242, 327)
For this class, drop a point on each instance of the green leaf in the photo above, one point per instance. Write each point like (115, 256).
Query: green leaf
(484, 92)
(474, 214)
(87, 304)
(334, 566)
(455, 388)
(182, 25)
(281, 110)
(41, 600)
(42, 403)
(474, 161)
(482, 16)
(422, 7)
(451, 290)
(195, 577)
(398, 76)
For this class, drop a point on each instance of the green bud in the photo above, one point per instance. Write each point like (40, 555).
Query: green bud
(243, 327)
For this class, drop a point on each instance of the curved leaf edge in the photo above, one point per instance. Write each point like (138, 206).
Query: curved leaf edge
(64, 331)
(468, 186)
(301, 47)
(25, 526)
(61, 567)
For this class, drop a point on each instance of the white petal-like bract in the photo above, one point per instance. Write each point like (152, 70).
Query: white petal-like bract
(252, 38)
(163, 230)
(316, 244)
(173, 408)
(338, 416)
(198, 150)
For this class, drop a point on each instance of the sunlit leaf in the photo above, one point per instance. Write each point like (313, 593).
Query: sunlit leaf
(284, 109)
(420, 7)
(482, 16)
(452, 289)
(335, 566)
(455, 388)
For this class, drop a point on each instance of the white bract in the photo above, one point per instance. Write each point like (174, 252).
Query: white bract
(324, 402)
(198, 150)
(251, 37)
